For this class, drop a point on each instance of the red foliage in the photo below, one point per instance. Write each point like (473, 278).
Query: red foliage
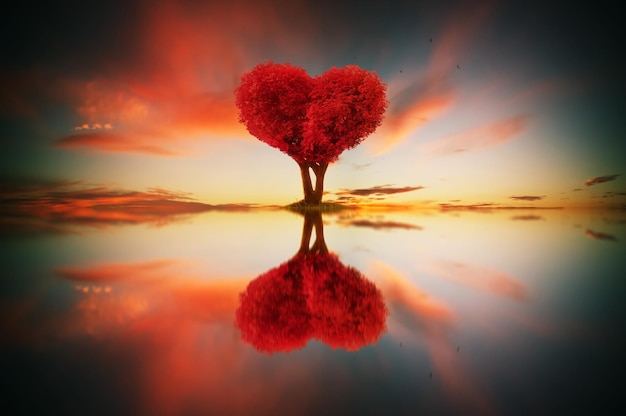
(312, 120)
(311, 296)
(273, 315)
(347, 310)
(347, 105)
(272, 101)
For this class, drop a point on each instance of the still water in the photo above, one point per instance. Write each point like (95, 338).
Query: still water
(266, 312)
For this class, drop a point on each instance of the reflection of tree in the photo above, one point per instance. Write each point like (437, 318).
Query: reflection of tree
(273, 314)
(313, 295)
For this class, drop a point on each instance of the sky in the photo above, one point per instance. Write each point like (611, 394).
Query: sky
(491, 104)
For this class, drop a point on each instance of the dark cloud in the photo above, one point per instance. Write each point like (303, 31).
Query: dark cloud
(527, 198)
(599, 235)
(379, 190)
(600, 179)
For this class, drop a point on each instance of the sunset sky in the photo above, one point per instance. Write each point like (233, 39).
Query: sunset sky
(491, 103)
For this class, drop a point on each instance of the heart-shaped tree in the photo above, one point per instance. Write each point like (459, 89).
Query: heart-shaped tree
(313, 120)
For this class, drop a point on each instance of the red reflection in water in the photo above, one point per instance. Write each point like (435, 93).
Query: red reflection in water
(313, 295)
(420, 313)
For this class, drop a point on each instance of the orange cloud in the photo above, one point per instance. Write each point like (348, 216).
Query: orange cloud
(181, 88)
(117, 143)
(420, 108)
(485, 136)
(413, 102)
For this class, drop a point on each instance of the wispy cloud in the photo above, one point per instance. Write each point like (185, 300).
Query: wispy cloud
(378, 190)
(600, 179)
(597, 235)
(484, 136)
(416, 100)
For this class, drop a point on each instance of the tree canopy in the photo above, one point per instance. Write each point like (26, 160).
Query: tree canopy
(272, 101)
(311, 119)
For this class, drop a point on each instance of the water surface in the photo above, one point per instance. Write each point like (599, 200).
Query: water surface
(361, 312)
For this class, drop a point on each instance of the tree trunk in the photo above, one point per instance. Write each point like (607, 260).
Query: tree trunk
(309, 197)
(320, 171)
(319, 246)
(313, 196)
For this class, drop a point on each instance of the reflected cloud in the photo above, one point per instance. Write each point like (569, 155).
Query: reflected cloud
(108, 273)
(311, 296)
(419, 313)
(478, 277)
(596, 235)
(600, 179)
(490, 207)
(178, 322)
(378, 225)
(484, 207)
(527, 218)
(375, 222)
